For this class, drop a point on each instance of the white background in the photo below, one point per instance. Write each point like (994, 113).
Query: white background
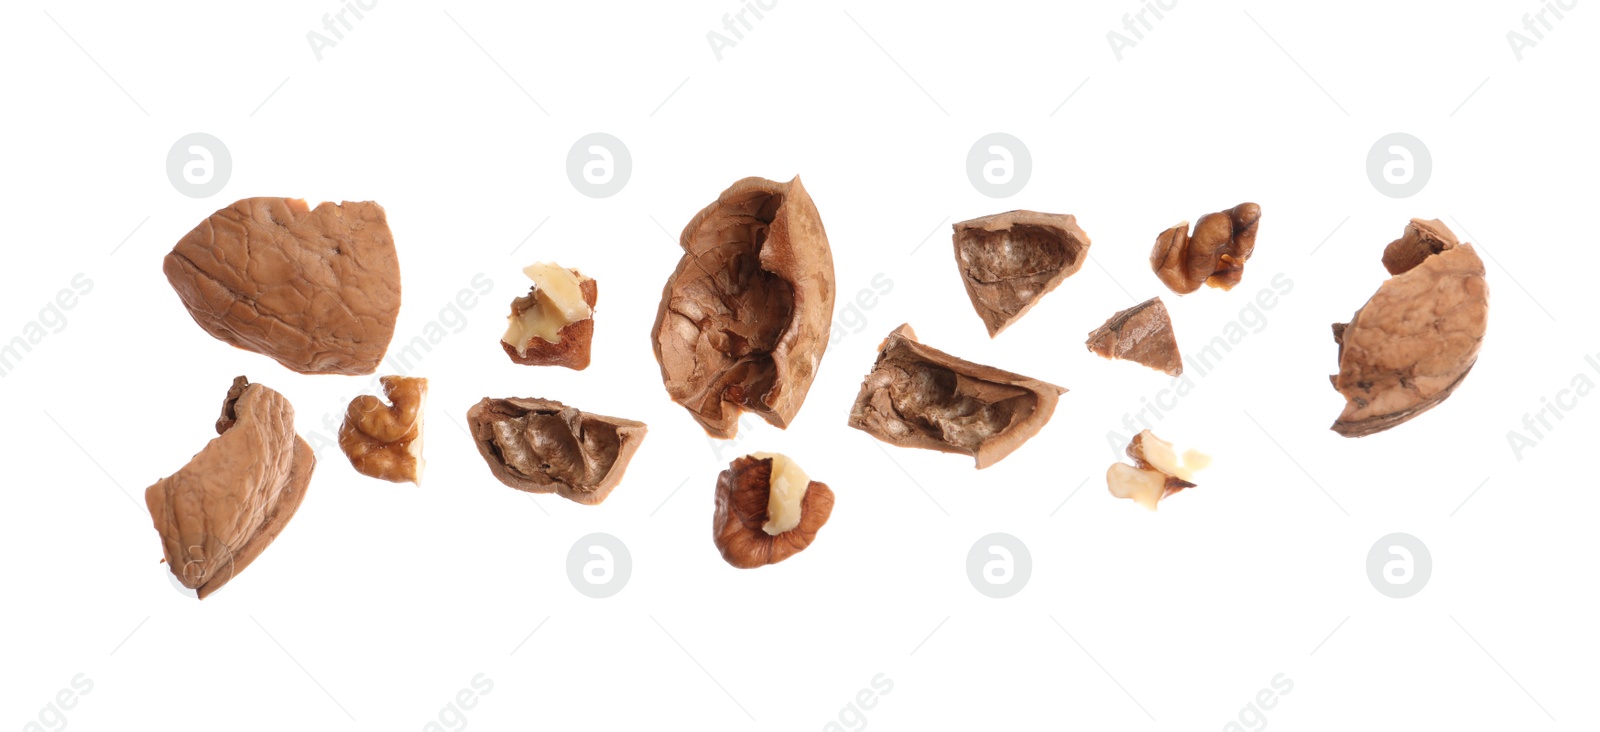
(380, 601)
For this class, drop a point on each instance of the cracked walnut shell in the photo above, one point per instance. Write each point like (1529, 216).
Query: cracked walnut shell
(918, 396)
(746, 316)
(384, 441)
(222, 509)
(1213, 255)
(1009, 261)
(1415, 340)
(1141, 334)
(315, 289)
(544, 446)
(742, 500)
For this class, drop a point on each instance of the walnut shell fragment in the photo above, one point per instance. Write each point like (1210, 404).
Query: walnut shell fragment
(544, 446)
(1157, 471)
(745, 317)
(317, 290)
(1142, 334)
(742, 498)
(1414, 341)
(1009, 261)
(222, 509)
(918, 396)
(1213, 255)
(384, 441)
(572, 342)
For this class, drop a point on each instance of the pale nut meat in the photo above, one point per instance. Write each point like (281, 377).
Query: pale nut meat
(739, 525)
(1009, 261)
(233, 498)
(544, 446)
(745, 318)
(1157, 471)
(317, 290)
(384, 441)
(552, 325)
(1213, 255)
(1413, 343)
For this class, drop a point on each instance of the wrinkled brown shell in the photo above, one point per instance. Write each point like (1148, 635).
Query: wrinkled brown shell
(745, 317)
(1142, 334)
(220, 511)
(1416, 339)
(1213, 255)
(316, 290)
(572, 350)
(544, 446)
(384, 441)
(1009, 261)
(918, 396)
(742, 493)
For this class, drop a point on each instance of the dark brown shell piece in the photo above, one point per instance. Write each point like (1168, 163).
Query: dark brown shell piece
(1142, 334)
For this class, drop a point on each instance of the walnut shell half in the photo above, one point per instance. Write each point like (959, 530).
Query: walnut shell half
(918, 396)
(384, 441)
(1416, 339)
(1213, 255)
(745, 317)
(317, 290)
(544, 446)
(220, 511)
(742, 493)
(1009, 261)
